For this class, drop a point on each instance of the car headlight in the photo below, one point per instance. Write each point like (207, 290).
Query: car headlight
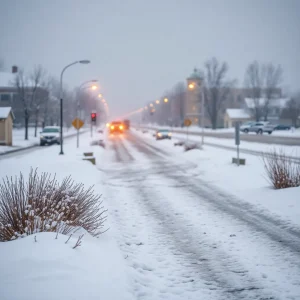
(159, 134)
(169, 134)
(41, 137)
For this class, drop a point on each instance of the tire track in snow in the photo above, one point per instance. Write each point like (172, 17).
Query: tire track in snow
(159, 270)
(275, 229)
(208, 263)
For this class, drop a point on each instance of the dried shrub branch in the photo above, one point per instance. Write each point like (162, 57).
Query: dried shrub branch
(281, 170)
(43, 205)
(78, 243)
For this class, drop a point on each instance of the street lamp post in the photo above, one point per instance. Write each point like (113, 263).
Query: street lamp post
(81, 87)
(196, 79)
(61, 99)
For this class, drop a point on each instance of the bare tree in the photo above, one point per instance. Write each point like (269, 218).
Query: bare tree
(292, 109)
(272, 80)
(27, 87)
(217, 88)
(53, 109)
(254, 79)
(179, 101)
(39, 93)
(70, 107)
(262, 81)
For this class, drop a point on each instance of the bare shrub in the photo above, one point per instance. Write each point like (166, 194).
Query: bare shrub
(192, 146)
(282, 170)
(43, 205)
(179, 143)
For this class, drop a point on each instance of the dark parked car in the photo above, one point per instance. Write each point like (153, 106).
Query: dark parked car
(273, 127)
(282, 127)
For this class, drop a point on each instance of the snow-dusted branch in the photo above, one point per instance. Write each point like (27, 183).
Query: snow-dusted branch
(78, 243)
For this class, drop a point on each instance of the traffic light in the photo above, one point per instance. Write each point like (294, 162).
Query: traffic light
(93, 117)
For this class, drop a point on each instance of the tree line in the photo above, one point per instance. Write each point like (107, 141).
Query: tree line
(262, 81)
(37, 99)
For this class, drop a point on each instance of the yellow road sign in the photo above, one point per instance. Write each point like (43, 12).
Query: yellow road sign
(187, 122)
(77, 123)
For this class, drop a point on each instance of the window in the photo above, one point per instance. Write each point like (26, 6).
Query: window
(50, 130)
(5, 97)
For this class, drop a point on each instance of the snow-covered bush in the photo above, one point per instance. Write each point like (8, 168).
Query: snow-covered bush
(282, 171)
(43, 204)
(191, 145)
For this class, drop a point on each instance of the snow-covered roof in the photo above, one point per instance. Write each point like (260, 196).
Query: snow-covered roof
(4, 112)
(6, 79)
(237, 113)
(280, 102)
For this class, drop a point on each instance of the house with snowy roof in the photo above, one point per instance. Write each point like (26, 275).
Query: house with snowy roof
(235, 115)
(6, 126)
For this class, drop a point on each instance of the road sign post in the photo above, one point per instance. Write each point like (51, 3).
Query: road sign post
(77, 124)
(187, 124)
(237, 141)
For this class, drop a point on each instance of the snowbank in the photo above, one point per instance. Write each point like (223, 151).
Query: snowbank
(51, 269)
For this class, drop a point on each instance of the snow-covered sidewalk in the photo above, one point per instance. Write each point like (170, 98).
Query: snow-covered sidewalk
(20, 143)
(50, 269)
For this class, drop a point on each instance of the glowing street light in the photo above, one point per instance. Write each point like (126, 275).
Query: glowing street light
(99, 95)
(191, 86)
(166, 100)
(157, 101)
(94, 87)
(151, 104)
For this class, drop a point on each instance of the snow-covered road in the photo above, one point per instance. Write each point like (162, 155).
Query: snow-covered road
(184, 238)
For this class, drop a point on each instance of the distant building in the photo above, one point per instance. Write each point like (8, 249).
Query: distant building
(9, 94)
(6, 126)
(235, 115)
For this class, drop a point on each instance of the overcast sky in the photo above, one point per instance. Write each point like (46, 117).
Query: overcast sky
(139, 49)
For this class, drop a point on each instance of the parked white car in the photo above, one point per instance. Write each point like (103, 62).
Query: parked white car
(257, 127)
(50, 135)
(245, 126)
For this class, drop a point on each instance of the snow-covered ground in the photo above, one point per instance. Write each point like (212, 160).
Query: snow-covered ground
(248, 182)
(194, 226)
(49, 269)
(183, 225)
(20, 142)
